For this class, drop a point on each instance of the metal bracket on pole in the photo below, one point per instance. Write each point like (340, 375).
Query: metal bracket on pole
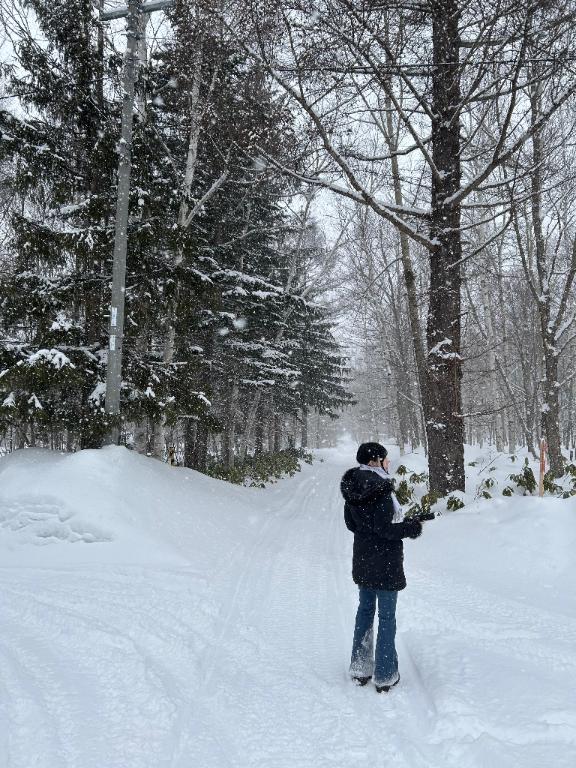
(150, 7)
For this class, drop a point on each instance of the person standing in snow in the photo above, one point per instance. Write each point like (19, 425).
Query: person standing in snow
(372, 513)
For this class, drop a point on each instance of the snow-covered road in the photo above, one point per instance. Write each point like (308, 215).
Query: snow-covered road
(239, 658)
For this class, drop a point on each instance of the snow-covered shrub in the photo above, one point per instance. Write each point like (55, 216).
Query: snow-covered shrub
(415, 510)
(483, 491)
(428, 500)
(453, 503)
(404, 492)
(525, 479)
(550, 486)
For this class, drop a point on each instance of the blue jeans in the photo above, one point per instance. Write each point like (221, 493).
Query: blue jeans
(384, 667)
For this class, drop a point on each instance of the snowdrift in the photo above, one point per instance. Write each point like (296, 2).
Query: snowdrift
(112, 505)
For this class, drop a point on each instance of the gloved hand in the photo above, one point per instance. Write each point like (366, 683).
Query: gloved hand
(414, 528)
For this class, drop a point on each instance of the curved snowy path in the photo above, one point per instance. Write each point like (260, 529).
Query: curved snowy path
(245, 666)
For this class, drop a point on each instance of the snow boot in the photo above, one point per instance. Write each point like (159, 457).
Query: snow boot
(361, 680)
(386, 688)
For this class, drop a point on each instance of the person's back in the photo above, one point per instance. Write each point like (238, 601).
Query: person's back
(369, 513)
(372, 513)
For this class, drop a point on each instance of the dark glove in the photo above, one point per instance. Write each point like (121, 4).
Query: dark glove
(413, 528)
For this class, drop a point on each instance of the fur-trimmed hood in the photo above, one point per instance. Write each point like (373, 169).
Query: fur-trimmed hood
(360, 487)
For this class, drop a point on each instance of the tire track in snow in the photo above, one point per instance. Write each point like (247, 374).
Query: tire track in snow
(258, 599)
(41, 718)
(115, 662)
(237, 601)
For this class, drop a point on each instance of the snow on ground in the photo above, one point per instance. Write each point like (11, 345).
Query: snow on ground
(152, 617)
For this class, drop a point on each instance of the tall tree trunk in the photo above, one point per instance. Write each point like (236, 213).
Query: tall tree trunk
(407, 268)
(197, 453)
(141, 436)
(277, 433)
(189, 433)
(444, 421)
(259, 434)
(195, 114)
(89, 263)
(569, 417)
(550, 406)
(250, 423)
(229, 433)
(304, 437)
(158, 441)
(491, 355)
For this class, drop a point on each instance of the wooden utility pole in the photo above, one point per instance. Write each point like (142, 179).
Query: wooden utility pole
(133, 13)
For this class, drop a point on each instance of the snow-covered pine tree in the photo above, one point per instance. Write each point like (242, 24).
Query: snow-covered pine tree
(63, 160)
(58, 144)
(323, 368)
(214, 320)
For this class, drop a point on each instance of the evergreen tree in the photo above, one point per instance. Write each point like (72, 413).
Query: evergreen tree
(61, 153)
(220, 344)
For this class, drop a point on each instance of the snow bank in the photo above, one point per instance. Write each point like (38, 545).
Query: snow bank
(521, 545)
(113, 505)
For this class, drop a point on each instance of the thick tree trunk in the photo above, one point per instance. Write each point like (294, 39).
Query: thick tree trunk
(304, 437)
(407, 269)
(229, 434)
(89, 291)
(158, 441)
(491, 358)
(444, 422)
(196, 454)
(141, 436)
(250, 424)
(195, 116)
(189, 434)
(569, 417)
(259, 434)
(551, 409)
(277, 433)
(550, 406)
(270, 424)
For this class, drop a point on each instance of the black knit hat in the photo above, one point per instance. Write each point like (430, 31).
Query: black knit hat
(370, 452)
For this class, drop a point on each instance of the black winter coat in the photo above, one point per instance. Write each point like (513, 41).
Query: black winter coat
(378, 560)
